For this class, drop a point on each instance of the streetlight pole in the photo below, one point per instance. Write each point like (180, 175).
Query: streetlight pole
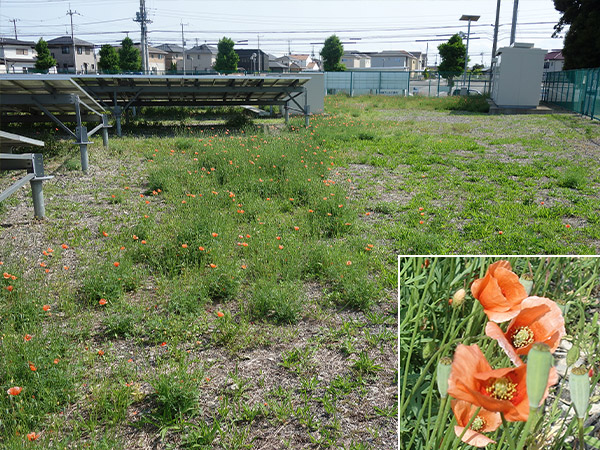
(469, 19)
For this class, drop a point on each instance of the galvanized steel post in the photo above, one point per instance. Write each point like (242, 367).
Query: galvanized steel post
(286, 114)
(38, 199)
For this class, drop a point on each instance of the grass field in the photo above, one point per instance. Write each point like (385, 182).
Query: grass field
(206, 287)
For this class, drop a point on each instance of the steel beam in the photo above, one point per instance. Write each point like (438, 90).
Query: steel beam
(55, 119)
(97, 90)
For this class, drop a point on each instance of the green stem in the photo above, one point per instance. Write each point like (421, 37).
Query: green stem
(581, 442)
(511, 442)
(437, 421)
(525, 433)
(467, 426)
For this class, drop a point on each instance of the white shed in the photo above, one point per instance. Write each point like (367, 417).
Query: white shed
(517, 81)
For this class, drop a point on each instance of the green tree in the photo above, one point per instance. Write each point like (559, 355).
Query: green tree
(582, 42)
(44, 61)
(227, 58)
(332, 53)
(130, 59)
(109, 59)
(453, 55)
(477, 69)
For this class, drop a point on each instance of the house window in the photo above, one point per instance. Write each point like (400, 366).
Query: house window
(188, 56)
(92, 67)
(87, 51)
(21, 51)
(79, 51)
(65, 50)
(65, 65)
(52, 54)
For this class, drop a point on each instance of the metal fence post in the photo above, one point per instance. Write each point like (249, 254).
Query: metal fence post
(595, 93)
(351, 84)
(379, 90)
(438, 86)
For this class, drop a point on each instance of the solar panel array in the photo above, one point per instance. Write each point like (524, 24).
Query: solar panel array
(181, 90)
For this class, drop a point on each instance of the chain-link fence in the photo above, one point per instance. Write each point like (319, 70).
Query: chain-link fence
(575, 90)
(431, 84)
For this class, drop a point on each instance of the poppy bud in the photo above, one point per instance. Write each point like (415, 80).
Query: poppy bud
(538, 369)
(459, 297)
(443, 373)
(579, 385)
(527, 281)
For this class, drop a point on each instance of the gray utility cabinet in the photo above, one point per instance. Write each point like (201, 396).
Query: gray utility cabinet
(517, 81)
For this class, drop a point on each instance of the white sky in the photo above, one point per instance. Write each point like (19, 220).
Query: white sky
(298, 25)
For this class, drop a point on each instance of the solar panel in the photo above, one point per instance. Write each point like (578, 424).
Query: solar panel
(54, 92)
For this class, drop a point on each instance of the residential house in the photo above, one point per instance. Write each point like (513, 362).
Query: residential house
(277, 67)
(293, 64)
(200, 58)
(393, 59)
(16, 56)
(73, 57)
(421, 60)
(355, 60)
(174, 54)
(554, 61)
(253, 60)
(156, 59)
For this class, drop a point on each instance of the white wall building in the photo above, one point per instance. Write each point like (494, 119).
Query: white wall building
(16, 56)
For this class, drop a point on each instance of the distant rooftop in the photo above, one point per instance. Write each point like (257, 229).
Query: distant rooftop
(66, 40)
(10, 41)
(170, 48)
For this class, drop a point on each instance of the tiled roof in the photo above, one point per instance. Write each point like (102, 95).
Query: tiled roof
(9, 41)
(66, 40)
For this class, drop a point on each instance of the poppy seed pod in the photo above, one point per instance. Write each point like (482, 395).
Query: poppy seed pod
(527, 281)
(459, 297)
(538, 370)
(443, 373)
(579, 385)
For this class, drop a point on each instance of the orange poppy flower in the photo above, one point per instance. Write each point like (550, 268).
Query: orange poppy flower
(499, 292)
(32, 367)
(32, 436)
(102, 301)
(540, 320)
(46, 307)
(502, 390)
(27, 337)
(485, 421)
(220, 314)
(14, 390)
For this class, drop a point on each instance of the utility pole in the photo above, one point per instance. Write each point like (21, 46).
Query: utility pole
(259, 57)
(142, 18)
(70, 13)
(496, 25)
(183, 45)
(14, 21)
(513, 28)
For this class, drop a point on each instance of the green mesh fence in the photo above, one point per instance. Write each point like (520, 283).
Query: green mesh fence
(390, 82)
(575, 90)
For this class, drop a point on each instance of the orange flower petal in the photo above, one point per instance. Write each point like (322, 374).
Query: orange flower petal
(494, 331)
(473, 437)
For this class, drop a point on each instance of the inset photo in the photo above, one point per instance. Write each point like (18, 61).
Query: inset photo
(499, 352)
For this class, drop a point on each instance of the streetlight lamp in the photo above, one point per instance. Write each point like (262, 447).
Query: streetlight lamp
(469, 19)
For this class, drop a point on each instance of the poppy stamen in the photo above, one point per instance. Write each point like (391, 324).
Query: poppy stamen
(478, 423)
(502, 389)
(522, 337)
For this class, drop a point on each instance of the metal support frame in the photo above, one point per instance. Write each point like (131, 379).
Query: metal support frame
(80, 134)
(34, 164)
